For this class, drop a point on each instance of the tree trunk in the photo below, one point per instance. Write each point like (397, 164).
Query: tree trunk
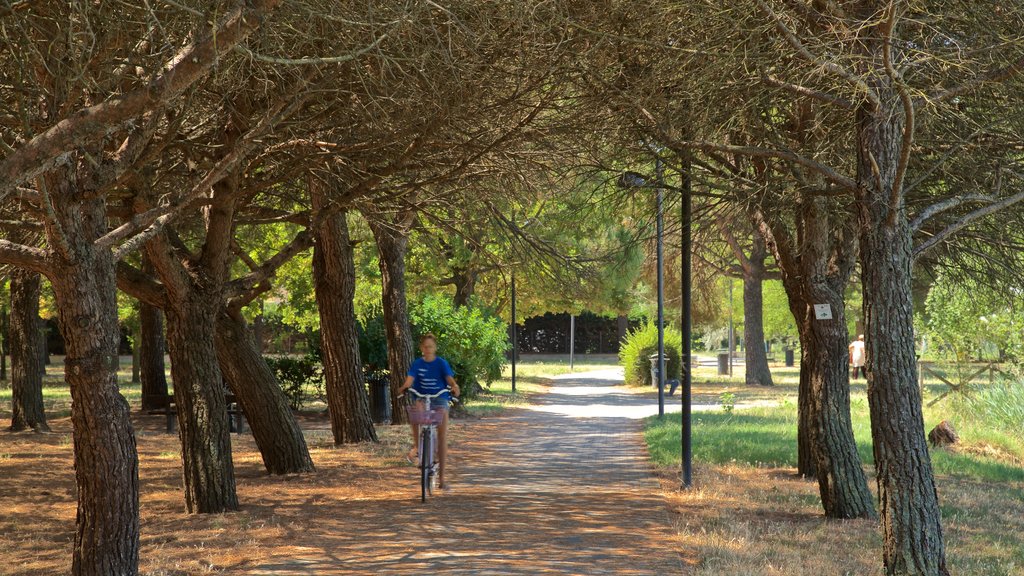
(136, 355)
(816, 271)
(334, 276)
(911, 519)
(757, 371)
(209, 474)
(4, 339)
(806, 463)
(273, 424)
(152, 350)
(26, 363)
(464, 281)
(106, 462)
(392, 245)
(841, 480)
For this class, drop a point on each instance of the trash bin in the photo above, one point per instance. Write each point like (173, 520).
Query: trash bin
(654, 368)
(723, 362)
(789, 357)
(380, 397)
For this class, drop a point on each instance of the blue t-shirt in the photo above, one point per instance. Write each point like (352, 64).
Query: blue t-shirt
(431, 377)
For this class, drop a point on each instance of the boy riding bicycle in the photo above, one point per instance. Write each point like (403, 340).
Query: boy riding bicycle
(428, 375)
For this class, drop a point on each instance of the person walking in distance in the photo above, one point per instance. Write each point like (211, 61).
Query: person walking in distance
(431, 374)
(857, 357)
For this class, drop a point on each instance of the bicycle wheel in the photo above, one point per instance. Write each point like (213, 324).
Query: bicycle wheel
(426, 461)
(433, 462)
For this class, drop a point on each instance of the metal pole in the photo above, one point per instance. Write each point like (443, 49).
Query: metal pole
(572, 340)
(687, 219)
(658, 169)
(732, 329)
(515, 339)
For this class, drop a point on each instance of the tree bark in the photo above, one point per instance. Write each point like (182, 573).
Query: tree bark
(151, 351)
(334, 276)
(273, 425)
(816, 272)
(911, 519)
(841, 480)
(464, 281)
(106, 462)
(392, 243)
(757, 371)
(209, 475)
(26, 363)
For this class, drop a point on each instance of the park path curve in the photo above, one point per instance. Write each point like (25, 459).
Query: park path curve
(560, 487)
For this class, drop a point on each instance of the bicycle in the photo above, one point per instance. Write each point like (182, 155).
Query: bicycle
(427, 417)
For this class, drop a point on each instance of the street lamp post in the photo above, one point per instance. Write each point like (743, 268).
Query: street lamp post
(687, 221)
(515, 340)
(659, 174)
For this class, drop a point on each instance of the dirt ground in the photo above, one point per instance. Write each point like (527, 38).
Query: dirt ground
(38, 499)
(542, 490)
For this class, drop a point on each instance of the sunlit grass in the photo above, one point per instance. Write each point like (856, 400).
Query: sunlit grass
(532, 374)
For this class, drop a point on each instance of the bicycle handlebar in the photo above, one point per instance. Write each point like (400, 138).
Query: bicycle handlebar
(433, 396)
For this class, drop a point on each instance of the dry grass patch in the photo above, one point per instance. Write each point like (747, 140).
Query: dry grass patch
(746, 520)
(280, 516)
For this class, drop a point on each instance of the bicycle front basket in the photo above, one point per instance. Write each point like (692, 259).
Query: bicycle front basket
(421, 415)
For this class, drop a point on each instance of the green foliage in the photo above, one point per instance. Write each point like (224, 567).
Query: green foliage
(638, 347)
(728, 401)
(297, 376)
(778, 320)
(472, 340)
(373, 341)
(968, 319)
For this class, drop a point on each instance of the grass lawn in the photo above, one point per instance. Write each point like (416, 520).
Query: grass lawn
(749, 514)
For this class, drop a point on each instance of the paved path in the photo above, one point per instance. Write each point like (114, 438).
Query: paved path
(563, 487)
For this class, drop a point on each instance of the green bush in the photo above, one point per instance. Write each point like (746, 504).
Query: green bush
(298, 376)
(638, 347)
(373, 341)
(473, 340)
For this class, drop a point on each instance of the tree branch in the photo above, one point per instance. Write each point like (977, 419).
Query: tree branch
(997, 75)
(946, 204)
(824, 170)
(302, 241)
(964, 221)
(90, 124)
(806, 54)
(35, 259)
(808, 92)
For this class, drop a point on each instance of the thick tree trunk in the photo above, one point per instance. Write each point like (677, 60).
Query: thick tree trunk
(815, 272)
(209, 475)
(106, 462)
(911, 519)
(4, 339)
(26, 363)
(757, 371)
(392, 245)
(334, 276)
(151, 357)
(806, 464)
(841, 480)
(274, 427)
(465, 285)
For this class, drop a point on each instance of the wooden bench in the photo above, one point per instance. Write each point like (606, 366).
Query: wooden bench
(236, 417)
(169, 410)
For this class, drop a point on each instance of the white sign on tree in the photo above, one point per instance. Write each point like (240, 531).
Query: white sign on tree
(823, 312)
